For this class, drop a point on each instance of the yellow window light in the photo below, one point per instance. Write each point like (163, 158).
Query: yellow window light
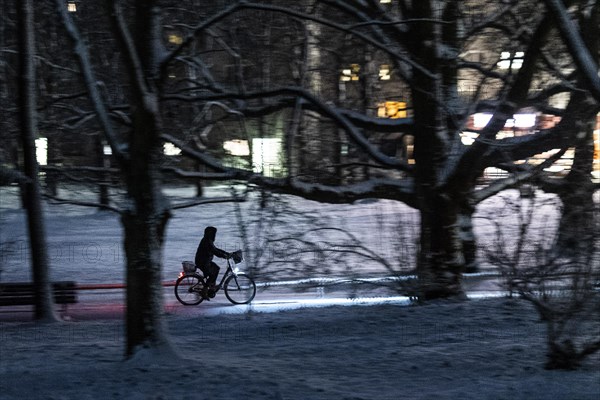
(392, 109)
(175, 39)
(385, 73)
(350, 74)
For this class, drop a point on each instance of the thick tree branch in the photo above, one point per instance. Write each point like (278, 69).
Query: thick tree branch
(577, 48)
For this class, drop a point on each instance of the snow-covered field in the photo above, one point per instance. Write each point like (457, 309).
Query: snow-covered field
(477, 349)
(85, 244)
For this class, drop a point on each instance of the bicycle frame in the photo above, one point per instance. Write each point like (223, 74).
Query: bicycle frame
(228, 272)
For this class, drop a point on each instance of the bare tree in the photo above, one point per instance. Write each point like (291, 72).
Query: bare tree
(562, 286)
(137, 152)
(44, 304)
(425, 42)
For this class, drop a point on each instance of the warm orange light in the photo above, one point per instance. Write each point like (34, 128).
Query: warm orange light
(392, 109)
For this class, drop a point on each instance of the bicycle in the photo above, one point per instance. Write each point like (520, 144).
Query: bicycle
(191, 288)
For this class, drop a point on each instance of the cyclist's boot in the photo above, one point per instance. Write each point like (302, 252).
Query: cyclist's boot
(205, 293)
(212, 290)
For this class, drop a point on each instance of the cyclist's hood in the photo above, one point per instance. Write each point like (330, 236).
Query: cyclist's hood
(210, 233)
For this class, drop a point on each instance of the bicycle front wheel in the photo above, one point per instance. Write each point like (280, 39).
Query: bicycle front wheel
(240, 289)
(187, 290)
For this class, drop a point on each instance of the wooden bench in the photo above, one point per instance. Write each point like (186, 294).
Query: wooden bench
(22, 293)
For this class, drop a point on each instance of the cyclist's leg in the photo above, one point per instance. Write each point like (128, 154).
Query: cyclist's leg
(213, 273)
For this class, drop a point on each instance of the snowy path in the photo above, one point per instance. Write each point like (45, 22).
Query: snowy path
(101, 304)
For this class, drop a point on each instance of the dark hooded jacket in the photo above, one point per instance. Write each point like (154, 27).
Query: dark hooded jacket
(207, 249)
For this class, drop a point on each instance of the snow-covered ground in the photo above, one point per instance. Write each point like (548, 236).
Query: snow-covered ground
(477, 349)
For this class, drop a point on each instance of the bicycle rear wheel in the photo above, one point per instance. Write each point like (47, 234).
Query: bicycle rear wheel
(239, 289)
(188, 288)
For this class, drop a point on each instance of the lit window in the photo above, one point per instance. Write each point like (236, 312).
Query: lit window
(71, 6)
(344, 149)
(392, 109)
(169, 149)
(480, 120)
(266, 154)
(409, 146)
(385, 1)
(41, 151)
(350, 74)
(237, 147)
(468, 138)
(384, 72)
(521, 121)
(175, 39)
(509, 60)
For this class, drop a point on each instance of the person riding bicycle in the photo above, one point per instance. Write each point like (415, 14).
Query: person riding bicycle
(204, 256)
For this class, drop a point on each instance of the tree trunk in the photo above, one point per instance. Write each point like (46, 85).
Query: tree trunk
(145, 222)
(44, 310)
(143, 248)
(468, 239)
(144, 228)
(440, 261)
(578, 221)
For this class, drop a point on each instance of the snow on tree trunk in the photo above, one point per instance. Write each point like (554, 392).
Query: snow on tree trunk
(32, 200)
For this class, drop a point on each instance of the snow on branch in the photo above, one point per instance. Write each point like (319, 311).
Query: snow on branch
(373, 188)
(212, 200)
(213, 176)
(516, 178)
(209, 161)
(85, 64)
(324, 108)
(58, 200)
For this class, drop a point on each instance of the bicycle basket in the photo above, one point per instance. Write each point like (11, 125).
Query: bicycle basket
(189, 267)
(237, 256)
